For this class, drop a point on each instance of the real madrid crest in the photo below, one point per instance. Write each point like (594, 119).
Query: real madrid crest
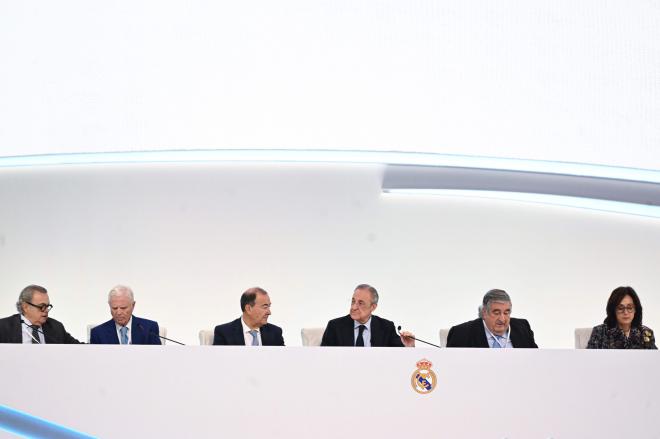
(423, 379)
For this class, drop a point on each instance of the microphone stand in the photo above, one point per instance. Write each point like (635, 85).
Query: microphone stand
(415, 338)
(158, 335)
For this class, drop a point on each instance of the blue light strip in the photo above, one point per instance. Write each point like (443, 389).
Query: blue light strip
(23, 424)
(333, 156)
(554, 200)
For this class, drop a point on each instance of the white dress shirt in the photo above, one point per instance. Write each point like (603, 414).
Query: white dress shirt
(366, 335)
(128, 333)
(27, 332)
(248, 336)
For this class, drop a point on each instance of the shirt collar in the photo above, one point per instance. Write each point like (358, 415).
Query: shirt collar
(491, 336)
(246, 328)
(357, 324)
(128, 325)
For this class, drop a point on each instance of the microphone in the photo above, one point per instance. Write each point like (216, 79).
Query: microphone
(158, 335)
(415, 338)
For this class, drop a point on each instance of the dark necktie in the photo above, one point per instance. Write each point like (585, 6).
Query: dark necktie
(360, 340)
(35, 335)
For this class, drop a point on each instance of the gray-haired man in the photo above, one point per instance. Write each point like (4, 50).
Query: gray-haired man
(495, 328)
(32, 324)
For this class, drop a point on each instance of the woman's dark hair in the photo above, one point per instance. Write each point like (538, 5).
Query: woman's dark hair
(615, 299)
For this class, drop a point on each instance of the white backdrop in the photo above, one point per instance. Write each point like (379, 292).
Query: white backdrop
(190, 238)
(552, 81)
(542, 80)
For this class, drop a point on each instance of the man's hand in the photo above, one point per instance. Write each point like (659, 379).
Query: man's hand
(408, 339)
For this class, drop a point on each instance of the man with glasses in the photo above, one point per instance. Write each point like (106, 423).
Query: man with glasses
(32, 325)
(360, 328)
(495, 328)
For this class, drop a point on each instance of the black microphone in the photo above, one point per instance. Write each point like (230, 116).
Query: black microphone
(415, 338)
(158, 335)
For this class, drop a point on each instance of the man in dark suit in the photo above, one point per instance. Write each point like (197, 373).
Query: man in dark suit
(124, 327)
(32, 324)
(252, 328)
(495, 328)
(361, 328)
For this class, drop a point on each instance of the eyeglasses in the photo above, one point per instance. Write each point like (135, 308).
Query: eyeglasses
(621, 309)
(44, 307)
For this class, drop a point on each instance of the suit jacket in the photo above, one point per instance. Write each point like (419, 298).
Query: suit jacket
(11, 331)
(143, 331)
(341, 332)
(472, 335)
(232, 334)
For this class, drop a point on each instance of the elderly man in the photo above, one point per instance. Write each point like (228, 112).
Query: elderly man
(252, 328)
(32, 324)
(124, 327)
(361, 328)
(495, 328)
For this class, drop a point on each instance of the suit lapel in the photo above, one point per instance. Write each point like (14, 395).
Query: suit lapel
(516, 336)
(376, 332)
(111, 332)
(136, 332)
(479, 334)
(237, 330)
(348, 332)
(16, 330)
(265, 335)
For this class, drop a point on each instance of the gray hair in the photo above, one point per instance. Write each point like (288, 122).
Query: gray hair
(494, 295)
(26, 295)
(121, 290)
(372, 290)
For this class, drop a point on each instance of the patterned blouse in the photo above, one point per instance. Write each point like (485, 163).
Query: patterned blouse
(603, 337)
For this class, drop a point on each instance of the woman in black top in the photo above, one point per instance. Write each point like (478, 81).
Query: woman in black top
(623, 327)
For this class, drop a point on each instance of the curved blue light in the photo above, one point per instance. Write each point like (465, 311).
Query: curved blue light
(26, 425)
(334, 156)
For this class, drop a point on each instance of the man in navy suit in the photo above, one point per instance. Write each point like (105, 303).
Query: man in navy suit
(252, 328)
(124, 327)
(360, 328)
(495, 328)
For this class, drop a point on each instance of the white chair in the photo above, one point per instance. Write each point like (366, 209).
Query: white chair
(443, 337)
(582, 336)
(312, 336)
(206, 337)
(161, 330)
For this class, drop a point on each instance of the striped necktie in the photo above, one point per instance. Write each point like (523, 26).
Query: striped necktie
(124, 334)
(497, 340)
(255, 340)
(35, 335)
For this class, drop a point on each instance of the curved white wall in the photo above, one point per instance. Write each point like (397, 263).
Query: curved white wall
(189, 239)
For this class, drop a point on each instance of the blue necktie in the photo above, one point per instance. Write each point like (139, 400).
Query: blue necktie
(496, 341)
(124, 334)
(255, 340)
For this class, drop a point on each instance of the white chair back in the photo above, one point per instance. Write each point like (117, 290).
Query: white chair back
(312, 336)
(443, 337)
(582, 336)
(206, 337)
